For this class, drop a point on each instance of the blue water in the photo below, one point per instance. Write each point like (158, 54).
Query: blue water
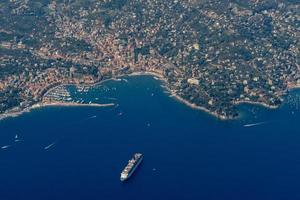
(187, 153)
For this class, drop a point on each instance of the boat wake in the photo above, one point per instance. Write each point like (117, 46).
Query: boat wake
(92, 117)
(109, 98)
(5, 147)
(49, 146)
(255, 124)
(125, 80)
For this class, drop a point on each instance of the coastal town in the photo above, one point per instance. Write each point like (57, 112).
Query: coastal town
(211, 55)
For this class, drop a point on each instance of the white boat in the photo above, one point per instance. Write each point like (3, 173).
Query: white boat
(17, 138)
(120, 113)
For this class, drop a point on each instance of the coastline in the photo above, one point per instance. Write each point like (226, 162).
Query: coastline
(294, 87)
(150, 73)
(179, 98)
(70, 104)
(53, 104)
(194, 106)
(256, 103)
(17, 113)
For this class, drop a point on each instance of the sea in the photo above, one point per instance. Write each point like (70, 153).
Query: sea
(78, 153)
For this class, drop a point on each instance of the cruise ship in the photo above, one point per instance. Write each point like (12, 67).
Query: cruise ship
(131, 166)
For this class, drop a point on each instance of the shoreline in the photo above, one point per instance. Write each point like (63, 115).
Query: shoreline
(194, 106)
(179, 98)
(256, 104)
(294, 87)
(13, 113)
(71, 104)
(53, 104)
(150, 73)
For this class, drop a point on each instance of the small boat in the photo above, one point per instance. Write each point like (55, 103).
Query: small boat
(17, 138)
(120, 113)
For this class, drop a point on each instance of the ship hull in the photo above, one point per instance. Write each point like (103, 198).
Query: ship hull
(132, 171)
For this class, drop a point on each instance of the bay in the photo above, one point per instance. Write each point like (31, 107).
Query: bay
(188, 154)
